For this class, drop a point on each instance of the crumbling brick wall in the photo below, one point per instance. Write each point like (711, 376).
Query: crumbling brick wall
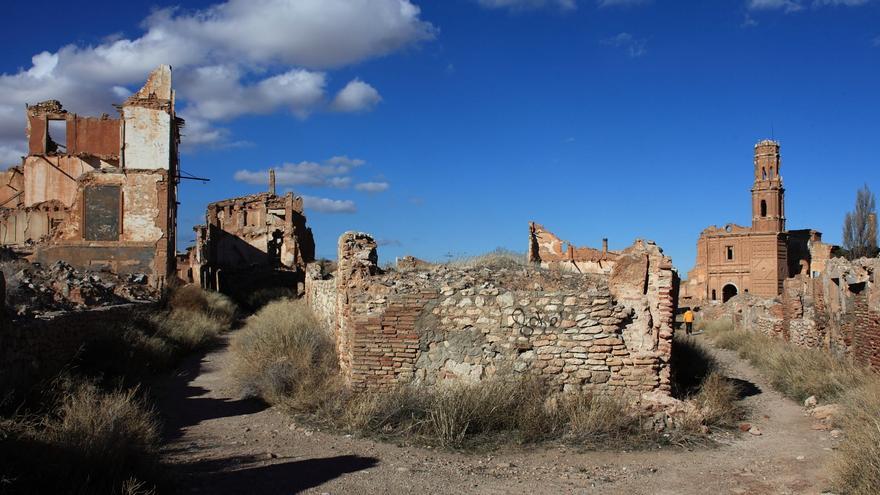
(549, 251)
(257, 237)
(438, 323)
(45, 210)
(838, 309)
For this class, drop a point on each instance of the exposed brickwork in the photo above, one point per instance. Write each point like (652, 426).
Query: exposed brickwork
(838, 310)
(49, 206)
(735, 259)
(441, 323)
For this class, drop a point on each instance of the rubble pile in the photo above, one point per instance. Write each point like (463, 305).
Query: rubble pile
(451, 276)
(33, 288)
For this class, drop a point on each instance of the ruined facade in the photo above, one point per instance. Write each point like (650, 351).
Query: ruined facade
(434, 323)
(548, 251)
(263, 233)
(98, 192)
(735, 259)
(837, 310)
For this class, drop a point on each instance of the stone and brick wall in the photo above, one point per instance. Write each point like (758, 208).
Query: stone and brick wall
(439, 323)
(837, 309)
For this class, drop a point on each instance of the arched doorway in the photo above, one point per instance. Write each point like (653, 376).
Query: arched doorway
(727, 292)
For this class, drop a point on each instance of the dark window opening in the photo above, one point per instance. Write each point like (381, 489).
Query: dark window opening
(713, 295)
(763, 208)
(763, 173)
(729, 253)
(727, 292)
(771, 172)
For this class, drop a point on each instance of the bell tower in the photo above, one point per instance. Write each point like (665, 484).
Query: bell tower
(768, 195)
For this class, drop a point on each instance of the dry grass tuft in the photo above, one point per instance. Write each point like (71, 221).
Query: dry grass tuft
(94, 442)
(499, 258)
(283, 356)
(857, 463)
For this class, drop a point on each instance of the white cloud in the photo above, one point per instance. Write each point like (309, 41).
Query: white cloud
(634, 47)
(621, 3)
(372, 187)
(332, 173)
(280, 50)
(528, 4)
(786, 5)
(796, 5)
(327, 205)
(356, 96)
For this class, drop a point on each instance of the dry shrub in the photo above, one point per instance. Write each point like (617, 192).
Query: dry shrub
(188, 329)
(95, 442)
(601, 419)
(857, 462)
(718, 402)
(283, 356)
(262, 297)
(212, 304)
(797, 372)
(499, 258)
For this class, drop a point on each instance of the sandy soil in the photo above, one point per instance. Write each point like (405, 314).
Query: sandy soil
(219, 444)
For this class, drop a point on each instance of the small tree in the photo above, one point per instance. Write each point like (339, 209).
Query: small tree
(860, 226)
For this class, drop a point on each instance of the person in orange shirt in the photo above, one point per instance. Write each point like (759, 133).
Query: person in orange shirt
(688, 321)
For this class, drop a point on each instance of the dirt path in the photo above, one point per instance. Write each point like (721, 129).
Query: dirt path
(219, 444)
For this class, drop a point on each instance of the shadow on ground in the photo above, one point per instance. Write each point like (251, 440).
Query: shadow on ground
(284, 477)
(745, 388)
(183, 405)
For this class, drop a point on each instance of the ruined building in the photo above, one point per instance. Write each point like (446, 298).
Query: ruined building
(436, 323)
(258, 236)
(98, 192)
(735, 259)
(836, 310)
(548, 251)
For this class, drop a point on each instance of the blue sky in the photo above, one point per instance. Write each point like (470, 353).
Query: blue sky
(443, 127)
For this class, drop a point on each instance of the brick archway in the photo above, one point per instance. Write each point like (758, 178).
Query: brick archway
(728, 291)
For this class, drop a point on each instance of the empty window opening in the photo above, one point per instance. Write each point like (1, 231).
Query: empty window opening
(56, 140)
(763, 173)
(244, 218)
(763, 208)
(729, 253)
(713, 295)
(771, 172)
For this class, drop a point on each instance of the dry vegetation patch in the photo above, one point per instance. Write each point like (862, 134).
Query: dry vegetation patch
(798, 373)
(284, 357)
(92, 431)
